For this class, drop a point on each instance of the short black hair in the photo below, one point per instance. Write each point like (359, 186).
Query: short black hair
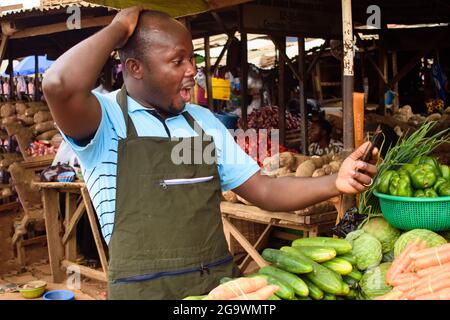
(325, 125)
(139, 42)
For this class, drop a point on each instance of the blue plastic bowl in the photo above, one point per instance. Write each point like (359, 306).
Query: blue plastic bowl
(59, 295)
(66, 177)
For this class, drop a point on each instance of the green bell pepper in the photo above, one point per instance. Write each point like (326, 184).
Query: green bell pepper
(419, 194)
(445, 171)
(430, 193)
(423, 177)
(431, 161)
(400, 185)
(409, 167)
(444, 189)
(438, 183)
(384, 180)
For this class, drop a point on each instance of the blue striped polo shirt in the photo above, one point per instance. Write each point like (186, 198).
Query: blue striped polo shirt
(99, 157)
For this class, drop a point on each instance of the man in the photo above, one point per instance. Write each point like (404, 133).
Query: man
(161, 219)
(320, 139)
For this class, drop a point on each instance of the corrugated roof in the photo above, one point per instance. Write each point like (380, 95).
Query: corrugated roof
(49, 5)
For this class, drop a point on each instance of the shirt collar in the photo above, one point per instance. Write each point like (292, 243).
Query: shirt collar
(134, 106)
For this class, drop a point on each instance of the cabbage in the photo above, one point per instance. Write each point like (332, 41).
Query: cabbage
(373, 282)
(432, 239)
(366, 249)
(383, 231)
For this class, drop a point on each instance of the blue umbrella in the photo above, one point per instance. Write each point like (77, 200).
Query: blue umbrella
(27, 67)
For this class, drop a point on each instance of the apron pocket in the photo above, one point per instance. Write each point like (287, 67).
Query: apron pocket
(203, 268)
(174, 182)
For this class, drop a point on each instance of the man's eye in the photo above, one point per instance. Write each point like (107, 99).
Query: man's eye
(177, 62)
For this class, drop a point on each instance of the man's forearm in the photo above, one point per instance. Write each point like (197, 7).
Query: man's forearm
(288, 193)
(78, 69)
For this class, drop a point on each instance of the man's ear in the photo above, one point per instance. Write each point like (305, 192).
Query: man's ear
(134, 68)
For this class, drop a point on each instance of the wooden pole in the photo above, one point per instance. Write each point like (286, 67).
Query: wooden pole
(396, 104)
(281, 89)
(302, 96)
(244, 70)
(382, 61)
(208, 74)
(36, 77)
(347, 86)
(12, 92)
(244, 78)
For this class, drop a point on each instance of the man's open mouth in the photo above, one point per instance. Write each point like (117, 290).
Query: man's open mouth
(185, 93)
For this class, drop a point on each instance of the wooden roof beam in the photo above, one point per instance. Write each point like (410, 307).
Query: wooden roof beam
(53, 28)
(286, 58)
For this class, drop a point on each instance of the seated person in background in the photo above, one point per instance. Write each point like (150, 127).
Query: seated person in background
(319, 133)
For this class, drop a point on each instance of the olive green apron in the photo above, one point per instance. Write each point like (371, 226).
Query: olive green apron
(168, 240)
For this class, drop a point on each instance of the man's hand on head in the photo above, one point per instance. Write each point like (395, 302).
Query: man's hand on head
(127, 19)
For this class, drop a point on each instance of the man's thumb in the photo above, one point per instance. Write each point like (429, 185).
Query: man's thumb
(361, 151)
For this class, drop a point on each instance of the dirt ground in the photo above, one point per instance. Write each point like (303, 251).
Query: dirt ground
(90, 289)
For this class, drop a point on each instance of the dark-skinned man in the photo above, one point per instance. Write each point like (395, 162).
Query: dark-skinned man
(161, 219)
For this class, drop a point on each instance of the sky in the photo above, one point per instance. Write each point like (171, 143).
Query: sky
(26, 3)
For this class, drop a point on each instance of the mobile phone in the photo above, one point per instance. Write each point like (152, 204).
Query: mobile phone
(374, 142)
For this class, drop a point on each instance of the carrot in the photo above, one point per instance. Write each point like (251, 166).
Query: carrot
(440, 295)
(236, 287)
(420, 282)
(439, 258)
(412, 265)
(433, 285)
(403, 260)
(430, 251)
(263, 293)
(405, 278)
(393, 295)
(424, 272)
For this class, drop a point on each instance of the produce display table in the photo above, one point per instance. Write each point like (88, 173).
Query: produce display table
(310, 222)
(61, 235)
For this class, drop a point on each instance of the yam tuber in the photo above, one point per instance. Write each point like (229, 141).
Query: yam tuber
(306, 169)
(44, 126)
(21, 108)
(7, 110)
(47, 135)
(318, 173)
(42, 116)
(318, 161)
(287, 160)
(9, 120)
(26, 120)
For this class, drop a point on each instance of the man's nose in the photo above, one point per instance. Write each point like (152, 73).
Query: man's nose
(191, 70)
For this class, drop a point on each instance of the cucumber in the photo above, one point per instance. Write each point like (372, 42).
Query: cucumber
(194, 298)
(224, 280)
(324, 278)
(329, 296)
(285, 291)
(314, 291)
(345, 290)
(339, 265)
(349, 257)
(302, 298)
(351, 295)
(340, 245)
(299, 286)
(318, 254)
(287, 261)
(352, 283)
(355, 274)
(274, 297)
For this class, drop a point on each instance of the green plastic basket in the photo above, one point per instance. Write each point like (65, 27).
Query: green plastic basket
(407, 213)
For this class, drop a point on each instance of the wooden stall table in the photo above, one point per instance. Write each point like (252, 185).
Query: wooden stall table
(311, 223)
(61, 235)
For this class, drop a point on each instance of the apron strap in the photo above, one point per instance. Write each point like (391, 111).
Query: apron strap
(123, 103)
(194, 125)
